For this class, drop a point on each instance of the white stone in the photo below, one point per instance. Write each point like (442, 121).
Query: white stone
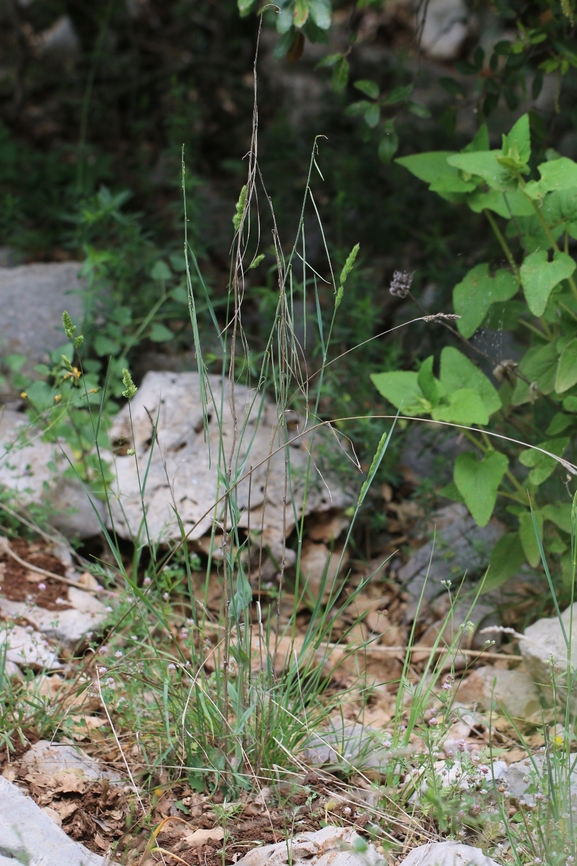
(348, 746)
(28, 835)
(447, 854)
(320, 569)
(32, 300)
(67, 626)
(546, 654)
(182, 472)
(56, 760)
(445, 28)
(33, 470)
(493, 688)
(331, 846)
(27, 648)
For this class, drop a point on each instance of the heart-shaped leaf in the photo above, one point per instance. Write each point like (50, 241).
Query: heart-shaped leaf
(473, 296)
(567, 369)
(529, 537)
(478, 482)
(506, 559)
(458, 372)
(539, 277)
(465, 406)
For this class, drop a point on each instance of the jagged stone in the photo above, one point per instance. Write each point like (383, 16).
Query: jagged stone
(184, 461)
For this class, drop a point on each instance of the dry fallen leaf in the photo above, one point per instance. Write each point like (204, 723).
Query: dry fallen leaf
(203, 837)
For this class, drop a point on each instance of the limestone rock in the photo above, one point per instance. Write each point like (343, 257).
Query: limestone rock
(347, 746)
(32, 300)
(535, 773)
(67, 767)
(447, 854)
(460, 546)
(184, 459)
(331, 846)
(493, 688)
(445, 26)
(67, 626)
(546, 654)
(28, 835)
(33, 470)
(27, 648)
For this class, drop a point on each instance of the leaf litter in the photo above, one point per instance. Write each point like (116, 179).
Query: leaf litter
(364, 668)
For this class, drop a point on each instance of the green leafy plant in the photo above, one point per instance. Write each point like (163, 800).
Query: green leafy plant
(530, 419)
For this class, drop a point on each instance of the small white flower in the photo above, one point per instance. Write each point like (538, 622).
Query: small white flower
(41, 586)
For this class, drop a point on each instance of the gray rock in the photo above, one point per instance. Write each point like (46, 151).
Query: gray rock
(346, 747)
(493, 688)
(67, 626)
(447, 854)
(56, 760)
(182, 469)
(331, 846)
(32, 300)
(534, 773)
(28, 835)
(33, 470)
(545, 651)
(460, 546)
(27, 648)
(445, 27)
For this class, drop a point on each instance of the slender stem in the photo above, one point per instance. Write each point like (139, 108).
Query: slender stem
(547, 231)
(504, 244)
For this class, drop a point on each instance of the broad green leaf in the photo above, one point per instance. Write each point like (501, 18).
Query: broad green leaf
(560, 515)
(284, 21)
(161, 271)
(357, 108)
(458, 372)
(538, 365)
(517, 145)
(452, 183)
(368, 87)
(427, 382)
(244, 6)
(543, 465)
(429, 167)
(473, 296)
(506, 204)
(464, 406)
(398, 94)
(104, 346)
(401, 388)
(329, 61)
(159, 333)
(480, 142)
(452, 86)
(558, 174)
(507, 557)
(570, 404)
(388, 146)
(418, 110)
(300, 12)
(567, 369)
(559, 423)
(533, 235)
(540, 276)
(320, 11)
(528, 537)
(478, 482)
(287, 40)
(373, 115)
(340, 74)
(484, 164)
